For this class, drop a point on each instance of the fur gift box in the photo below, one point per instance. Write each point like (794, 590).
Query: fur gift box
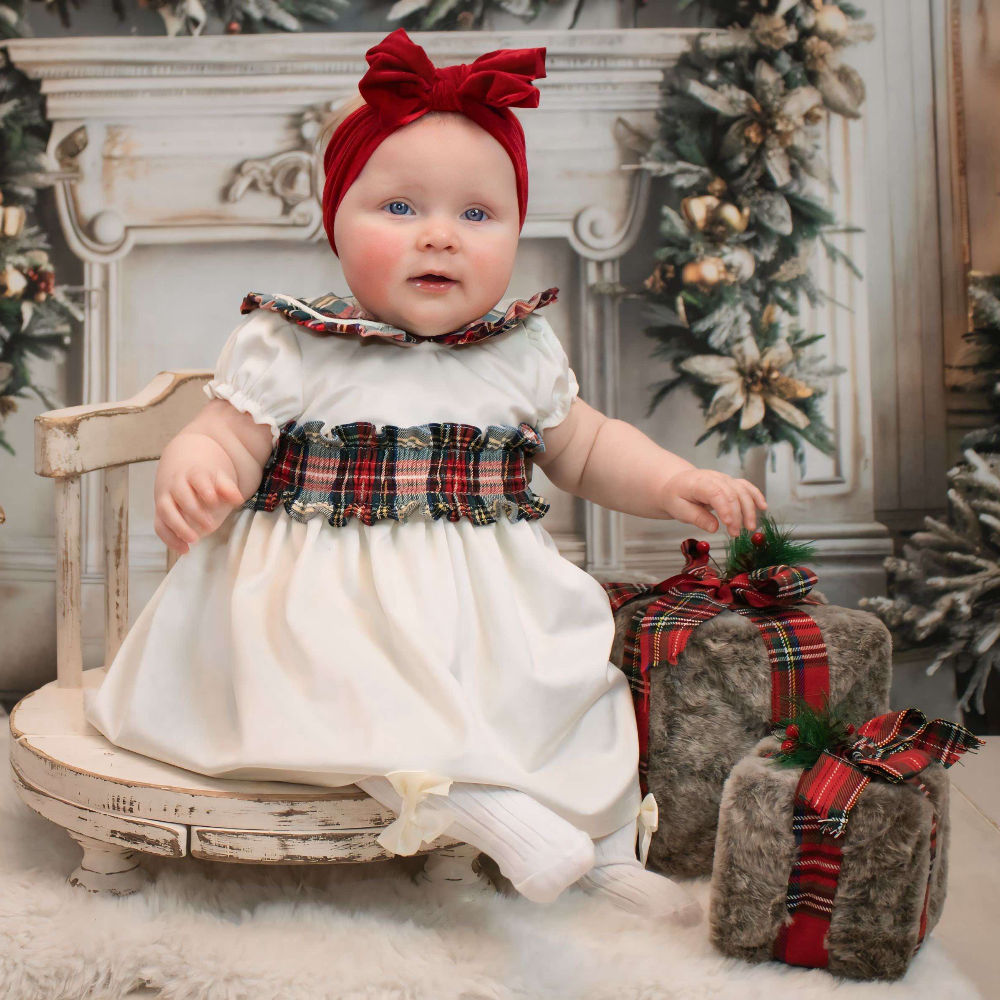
(842, 864)
(714, 665)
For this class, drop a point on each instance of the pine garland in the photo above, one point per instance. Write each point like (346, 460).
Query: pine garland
(35, 314)
(810, 733)
(239, 16)
(738, 145)
(769, 545)
(252, 16)
(463, 15)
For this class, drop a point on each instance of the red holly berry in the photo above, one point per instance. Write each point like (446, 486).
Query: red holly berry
(757, 538)
(233, 28)
(792, 732)
(850, 729)
(788, 746)
(703, 548)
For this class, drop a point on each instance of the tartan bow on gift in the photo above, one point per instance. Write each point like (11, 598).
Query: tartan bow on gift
(895, 747)
(658, 631)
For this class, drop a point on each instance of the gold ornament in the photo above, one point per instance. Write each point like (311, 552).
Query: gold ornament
(13, 219)
(12, 282)
(831, 23)
(708, 272)
(736, 219)
(698, 211)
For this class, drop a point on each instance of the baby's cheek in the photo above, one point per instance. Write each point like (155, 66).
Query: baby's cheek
(375, 251)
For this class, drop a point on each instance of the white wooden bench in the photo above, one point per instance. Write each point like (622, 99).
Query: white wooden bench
(118, 804)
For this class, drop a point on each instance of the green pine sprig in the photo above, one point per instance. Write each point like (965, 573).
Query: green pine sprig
(817, 731)
(778, 549)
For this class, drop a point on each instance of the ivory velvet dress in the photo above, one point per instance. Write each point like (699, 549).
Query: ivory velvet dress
(388, 600)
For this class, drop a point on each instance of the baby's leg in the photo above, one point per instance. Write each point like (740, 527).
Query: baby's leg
(618, 876)
(539, 851)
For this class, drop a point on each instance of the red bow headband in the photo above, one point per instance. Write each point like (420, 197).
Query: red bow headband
(402, 84)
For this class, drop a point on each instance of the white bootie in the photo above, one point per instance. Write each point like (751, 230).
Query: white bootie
(541, 853)
(620, 877)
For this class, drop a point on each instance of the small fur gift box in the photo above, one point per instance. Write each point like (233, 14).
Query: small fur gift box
(843, 865)
(718, 672)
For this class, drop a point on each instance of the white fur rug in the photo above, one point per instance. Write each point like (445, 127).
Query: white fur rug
(211, 931)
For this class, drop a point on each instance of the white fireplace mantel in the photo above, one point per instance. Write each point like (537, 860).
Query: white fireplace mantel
(213, 138)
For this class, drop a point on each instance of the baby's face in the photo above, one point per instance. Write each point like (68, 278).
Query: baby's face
(437, 197)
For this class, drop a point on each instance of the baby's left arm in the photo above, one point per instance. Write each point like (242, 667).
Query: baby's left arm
(612, 463)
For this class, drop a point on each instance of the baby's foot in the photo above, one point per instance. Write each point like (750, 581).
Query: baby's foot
(631, 887)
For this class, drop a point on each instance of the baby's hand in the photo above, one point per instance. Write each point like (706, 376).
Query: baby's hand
(688, 495)
(194, 492)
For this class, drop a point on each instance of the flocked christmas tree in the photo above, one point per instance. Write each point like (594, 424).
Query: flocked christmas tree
(945, 591)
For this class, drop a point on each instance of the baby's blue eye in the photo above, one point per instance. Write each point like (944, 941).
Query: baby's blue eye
(482, 214)
(393, 204)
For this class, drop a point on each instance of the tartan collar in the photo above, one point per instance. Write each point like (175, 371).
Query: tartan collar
(336, 314)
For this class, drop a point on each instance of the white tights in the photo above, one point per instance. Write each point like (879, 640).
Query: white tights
(542, 854)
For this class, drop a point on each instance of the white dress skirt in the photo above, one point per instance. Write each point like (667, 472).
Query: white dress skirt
(295, 650)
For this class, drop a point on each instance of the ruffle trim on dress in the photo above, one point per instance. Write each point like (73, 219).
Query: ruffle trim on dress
(433, 470)
(525, 505)
(561, 404)
(362, 434)
(334, 314)
(217, 389)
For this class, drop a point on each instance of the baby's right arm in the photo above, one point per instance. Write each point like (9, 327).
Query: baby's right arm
(210, 467)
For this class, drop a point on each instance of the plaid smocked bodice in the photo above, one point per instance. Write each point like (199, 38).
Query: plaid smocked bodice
(434, 470)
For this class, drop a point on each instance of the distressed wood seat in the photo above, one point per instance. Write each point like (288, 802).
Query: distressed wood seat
(118, 804)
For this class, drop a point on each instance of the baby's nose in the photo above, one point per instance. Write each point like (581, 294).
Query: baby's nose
(439, 237)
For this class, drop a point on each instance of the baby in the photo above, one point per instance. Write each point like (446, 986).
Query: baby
(423, 638)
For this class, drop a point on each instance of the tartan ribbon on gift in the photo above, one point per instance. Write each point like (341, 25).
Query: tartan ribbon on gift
(658, 632)
(896, 747)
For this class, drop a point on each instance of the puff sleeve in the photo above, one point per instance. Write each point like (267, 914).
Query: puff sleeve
(260, 371)
(555, 382)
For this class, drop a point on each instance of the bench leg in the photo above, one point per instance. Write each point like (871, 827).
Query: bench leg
(107, 867)
(456, 870)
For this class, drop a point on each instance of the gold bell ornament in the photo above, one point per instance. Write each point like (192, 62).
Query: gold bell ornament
(708, 271)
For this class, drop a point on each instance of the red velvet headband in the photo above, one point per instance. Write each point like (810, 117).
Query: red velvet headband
(402, 84)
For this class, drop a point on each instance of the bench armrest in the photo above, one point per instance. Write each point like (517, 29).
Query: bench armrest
(78, 439)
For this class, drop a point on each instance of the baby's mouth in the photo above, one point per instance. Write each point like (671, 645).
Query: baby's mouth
(432, 282)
